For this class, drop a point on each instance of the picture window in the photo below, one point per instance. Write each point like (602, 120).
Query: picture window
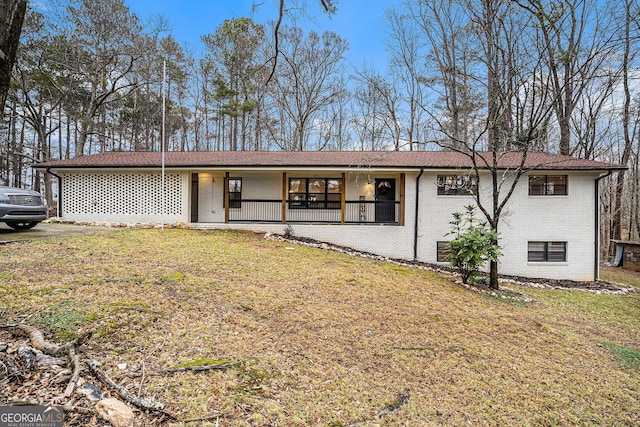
(315, 193)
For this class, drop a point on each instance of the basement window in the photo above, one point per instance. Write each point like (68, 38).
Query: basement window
(547, 252)
(443, 252)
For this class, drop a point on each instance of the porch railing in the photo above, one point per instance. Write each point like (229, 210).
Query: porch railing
(371, 212)
(251, 210)
(356, 212)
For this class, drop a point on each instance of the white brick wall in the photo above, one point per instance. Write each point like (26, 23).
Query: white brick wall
(526, 218)
(568, 219)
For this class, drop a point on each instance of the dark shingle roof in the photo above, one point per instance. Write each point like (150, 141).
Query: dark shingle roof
(320, 159)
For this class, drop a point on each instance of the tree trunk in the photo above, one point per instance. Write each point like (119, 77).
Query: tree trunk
(617, 219)
(11, 17)
(81, 141)
(565, 135)
(493, 275)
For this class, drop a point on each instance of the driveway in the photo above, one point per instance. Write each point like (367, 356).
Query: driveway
(43, 229)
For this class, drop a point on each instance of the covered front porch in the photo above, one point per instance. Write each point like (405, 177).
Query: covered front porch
(319, 197)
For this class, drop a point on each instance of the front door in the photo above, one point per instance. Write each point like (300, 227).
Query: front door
(385, 200)
(194, 197)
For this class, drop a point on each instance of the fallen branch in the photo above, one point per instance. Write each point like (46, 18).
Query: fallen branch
(411, 348)
(142, 403)
(75, 361)
(77, 409)
(10, 325)
(145, 360)
(39, 342)
(138, 309)
(196, 368)
(37, 339)
(402, 400)
(207, 418)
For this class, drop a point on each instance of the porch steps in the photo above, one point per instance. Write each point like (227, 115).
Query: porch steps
(204, 226)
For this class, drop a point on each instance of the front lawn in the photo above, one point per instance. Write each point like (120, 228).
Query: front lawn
(324, 339)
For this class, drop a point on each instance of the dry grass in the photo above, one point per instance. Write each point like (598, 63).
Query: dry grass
(329, 339)
(620, 275)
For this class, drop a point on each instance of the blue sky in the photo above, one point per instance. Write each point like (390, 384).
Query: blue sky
(360, 22)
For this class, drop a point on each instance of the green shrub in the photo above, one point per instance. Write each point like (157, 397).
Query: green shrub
(474, 244)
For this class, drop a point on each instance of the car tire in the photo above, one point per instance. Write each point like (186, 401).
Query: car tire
(22, 225)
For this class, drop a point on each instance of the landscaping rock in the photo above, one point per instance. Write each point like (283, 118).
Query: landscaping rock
(116, 412)
(91, 391)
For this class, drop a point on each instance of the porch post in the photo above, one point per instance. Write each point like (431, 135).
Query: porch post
(284, 197)
(226, 197)
(402, 198)
(343, 198)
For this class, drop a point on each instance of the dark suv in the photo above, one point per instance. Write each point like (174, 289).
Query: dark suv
(21, 209)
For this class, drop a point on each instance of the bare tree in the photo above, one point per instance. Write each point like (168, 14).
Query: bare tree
(631, 13)
(515, 112)
(329, 7)
(99, 55)
(37, 94)
(450, 35)
(308, 79)
(376, 115)
(576, 39)
(334, 126)
(368, 117)
(407, 68)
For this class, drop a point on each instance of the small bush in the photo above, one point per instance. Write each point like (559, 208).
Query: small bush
(474, 244)
(288, 231)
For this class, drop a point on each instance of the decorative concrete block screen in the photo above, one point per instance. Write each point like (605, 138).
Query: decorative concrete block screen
(121, 194)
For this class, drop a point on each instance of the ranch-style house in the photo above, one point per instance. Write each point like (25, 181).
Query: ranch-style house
(395, 204)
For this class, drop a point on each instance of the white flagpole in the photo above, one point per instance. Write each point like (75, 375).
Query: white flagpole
(164, 85)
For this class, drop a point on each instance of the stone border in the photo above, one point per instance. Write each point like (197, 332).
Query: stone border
(58, 220)
(599, 288)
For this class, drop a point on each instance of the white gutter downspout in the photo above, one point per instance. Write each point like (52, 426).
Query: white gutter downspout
(59, 191)
(415, 226)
